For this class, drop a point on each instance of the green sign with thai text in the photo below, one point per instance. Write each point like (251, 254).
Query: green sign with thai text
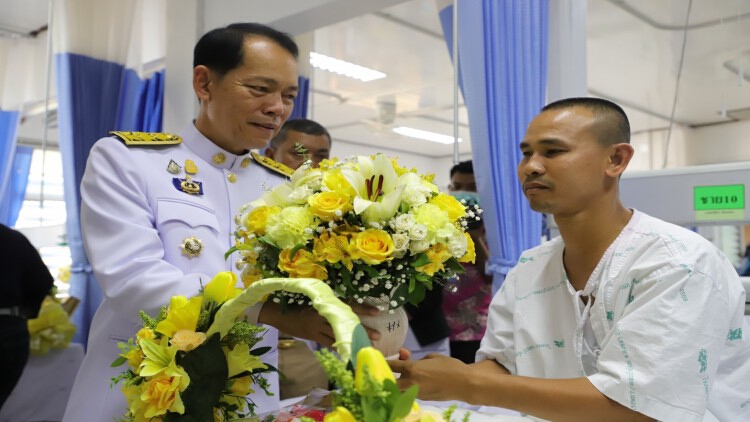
(722, 202)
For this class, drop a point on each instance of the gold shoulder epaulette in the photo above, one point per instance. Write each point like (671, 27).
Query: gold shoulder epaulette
(271, 164)
(147, 138)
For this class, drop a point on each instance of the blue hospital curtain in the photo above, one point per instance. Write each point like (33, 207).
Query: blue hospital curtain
(300, 102)
(12, 198)
(502, 57)
(97, 93)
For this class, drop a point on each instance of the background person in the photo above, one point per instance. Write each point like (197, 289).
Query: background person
(300, 140)
(26, 282)
(622, 317)
(466, 301)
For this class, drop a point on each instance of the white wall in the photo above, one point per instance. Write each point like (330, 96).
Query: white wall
(719, 144)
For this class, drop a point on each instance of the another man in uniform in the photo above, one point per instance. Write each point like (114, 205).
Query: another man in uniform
(622, 317)
(157, 212)
(300, 140)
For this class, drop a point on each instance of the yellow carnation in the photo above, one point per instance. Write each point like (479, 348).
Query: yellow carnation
(186, 340)
(256, 220)
(301, 265)
(471, 254)
(330, 206)
(291, 227)
(332, 248)
(438, 254)
(432, 217)
(449, 204)
(373, 246)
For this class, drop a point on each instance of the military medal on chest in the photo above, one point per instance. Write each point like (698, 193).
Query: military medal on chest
(192, 246)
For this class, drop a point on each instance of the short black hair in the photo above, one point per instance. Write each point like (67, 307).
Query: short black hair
(299, 125)
(463, 167)
(612, 124)
(221, 49)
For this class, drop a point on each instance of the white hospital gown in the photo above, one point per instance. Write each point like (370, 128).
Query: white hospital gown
(665, 334)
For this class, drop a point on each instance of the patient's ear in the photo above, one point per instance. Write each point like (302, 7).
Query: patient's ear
(619, 158)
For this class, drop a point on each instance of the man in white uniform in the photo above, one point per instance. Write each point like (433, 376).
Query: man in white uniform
(157, 211)
(622, 317)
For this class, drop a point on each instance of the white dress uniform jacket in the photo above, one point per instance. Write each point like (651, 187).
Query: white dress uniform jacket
(134, 221)
(665, 334)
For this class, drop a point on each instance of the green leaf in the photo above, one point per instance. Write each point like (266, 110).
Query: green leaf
(455, 266)
(207, 367)
(422, 259)
(404, 402)
(295, 249)
(417, 295)
(401, 290)
(231, 250)
(119, 361)
(359, 340)
(373, 410)
(260, 350)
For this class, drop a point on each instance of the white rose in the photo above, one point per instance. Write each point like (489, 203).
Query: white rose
(418, 232)
(400, 242)
(413, 197)
(402, 222)
(300, 195)
(417, 246)
(458, 245)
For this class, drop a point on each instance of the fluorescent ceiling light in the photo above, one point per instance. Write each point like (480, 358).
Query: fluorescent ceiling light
(425, 135)
(341, 67)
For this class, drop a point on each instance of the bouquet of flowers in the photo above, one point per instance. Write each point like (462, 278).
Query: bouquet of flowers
(178, 365)
(51, 329)
(366, 226)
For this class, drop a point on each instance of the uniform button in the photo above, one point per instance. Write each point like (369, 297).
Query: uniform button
(219, 158)
(245, 162)
(232, 177)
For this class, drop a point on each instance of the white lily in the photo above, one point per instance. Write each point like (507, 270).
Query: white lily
(376, 184)
(280, 195)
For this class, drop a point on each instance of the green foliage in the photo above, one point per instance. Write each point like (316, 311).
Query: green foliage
(244, 332)
(207, 368)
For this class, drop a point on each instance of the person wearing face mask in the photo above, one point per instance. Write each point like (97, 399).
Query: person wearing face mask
(300, 140)
(467, 299)
(158, 210)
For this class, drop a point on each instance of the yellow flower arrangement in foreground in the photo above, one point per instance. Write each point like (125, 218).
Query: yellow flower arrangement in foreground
(366, 226)
(175, 367)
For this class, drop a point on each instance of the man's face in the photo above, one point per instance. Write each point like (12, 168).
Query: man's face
(245, 108)
(563, 166)
(298, 147)
(463, 182)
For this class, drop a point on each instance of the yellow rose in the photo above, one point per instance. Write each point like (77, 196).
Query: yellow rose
(187, 340)
(257, 218)
(340, 414)
(222, 287)
(471, 254)
(133, 398)
(302, 265)
(292, 226)
(161, 394)
(373, 246)
(332, 248)
(329, 206)
(334, 180)
(449, 204)
(134, 357)
(378, 368)
(438, 254)
(241, 386)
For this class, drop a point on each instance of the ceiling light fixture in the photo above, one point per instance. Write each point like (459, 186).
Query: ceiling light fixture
(425, 135)
(341, 67)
